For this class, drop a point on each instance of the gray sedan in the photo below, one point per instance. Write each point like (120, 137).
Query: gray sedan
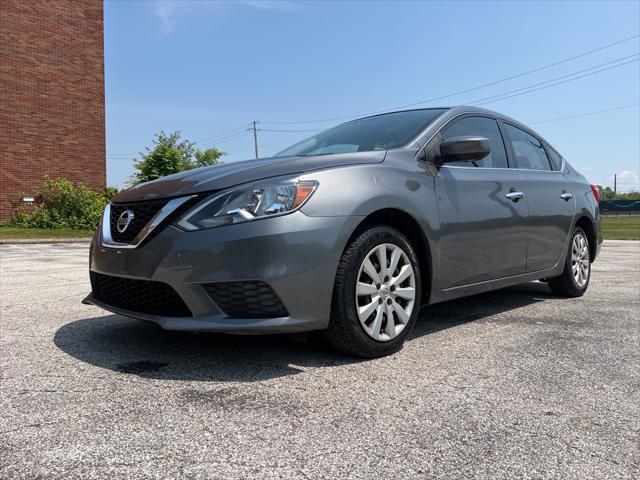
(348, 232)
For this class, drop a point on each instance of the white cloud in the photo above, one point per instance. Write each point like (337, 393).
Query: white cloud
(165, 10)
(271, 4)
(627, 178)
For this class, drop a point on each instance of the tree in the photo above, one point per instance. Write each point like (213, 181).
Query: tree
(607, 193)
(171, 155)
(209, 156)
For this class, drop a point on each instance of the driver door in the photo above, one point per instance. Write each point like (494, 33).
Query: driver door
(483, 233)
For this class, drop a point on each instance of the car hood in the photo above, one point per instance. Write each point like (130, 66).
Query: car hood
(226, 175)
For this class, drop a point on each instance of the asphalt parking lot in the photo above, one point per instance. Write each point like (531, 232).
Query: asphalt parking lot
(511, 384)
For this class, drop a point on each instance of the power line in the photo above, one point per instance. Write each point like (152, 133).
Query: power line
(222, 140)
(220, 136)
(533, 123)
(219, 140)
(287, 130)
(242, 131)
(558, 78)
(585, 114)
(530, 88)
(530, 123)
(240, 135)
(224, 134)
(226, 139)
(528, 72)
(551, 85)
(235, 137)
(238, 151)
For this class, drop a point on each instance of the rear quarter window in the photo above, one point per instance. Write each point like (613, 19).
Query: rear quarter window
(554, 157)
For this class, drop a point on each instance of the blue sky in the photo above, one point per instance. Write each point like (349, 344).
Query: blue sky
(208, 68)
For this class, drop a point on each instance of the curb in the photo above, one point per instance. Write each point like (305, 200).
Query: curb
(22, 241)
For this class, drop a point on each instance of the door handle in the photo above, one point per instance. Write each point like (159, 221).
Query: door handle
(566, 196)
(515, 196)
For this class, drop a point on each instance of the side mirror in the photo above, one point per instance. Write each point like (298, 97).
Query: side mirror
(464, 149)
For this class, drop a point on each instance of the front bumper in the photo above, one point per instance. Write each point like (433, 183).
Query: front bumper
(296, 255)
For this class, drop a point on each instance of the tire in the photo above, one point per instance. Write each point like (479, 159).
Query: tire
(356, 291)
(579, 257)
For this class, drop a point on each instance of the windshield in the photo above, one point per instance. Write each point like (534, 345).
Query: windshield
(382, 132)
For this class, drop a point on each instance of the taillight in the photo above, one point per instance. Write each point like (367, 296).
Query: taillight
(596, 192)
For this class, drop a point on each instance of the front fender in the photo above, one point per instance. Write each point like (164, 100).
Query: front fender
(399, 183)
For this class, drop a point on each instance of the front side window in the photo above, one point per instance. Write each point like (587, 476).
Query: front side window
(381, 132)
(529, 152)
(483, 127)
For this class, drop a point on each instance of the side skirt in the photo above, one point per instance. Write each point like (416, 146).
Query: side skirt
(496, 284)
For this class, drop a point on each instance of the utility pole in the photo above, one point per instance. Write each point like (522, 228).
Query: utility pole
(615, 183)
(255, 137)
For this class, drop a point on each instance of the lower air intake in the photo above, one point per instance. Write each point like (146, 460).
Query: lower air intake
(246, 299)
(142, 296)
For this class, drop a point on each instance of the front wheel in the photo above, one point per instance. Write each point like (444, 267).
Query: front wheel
(577, 269)
(376, 295)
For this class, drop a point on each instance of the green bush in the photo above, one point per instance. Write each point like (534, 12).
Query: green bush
(64, 204)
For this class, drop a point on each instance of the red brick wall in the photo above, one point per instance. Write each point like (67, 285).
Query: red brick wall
(51, 95)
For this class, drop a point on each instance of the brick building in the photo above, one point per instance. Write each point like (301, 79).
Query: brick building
(51, 96)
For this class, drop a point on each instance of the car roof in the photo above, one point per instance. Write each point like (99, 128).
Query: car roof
(455, 111)
(451, 112)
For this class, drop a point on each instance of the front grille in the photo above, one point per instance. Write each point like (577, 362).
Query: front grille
(246, 299)
(143, 212)
(143, 296)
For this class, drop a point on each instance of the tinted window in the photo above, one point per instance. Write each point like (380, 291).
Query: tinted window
(484, 127)
(555, 158)
(382, 132)
(528, 150)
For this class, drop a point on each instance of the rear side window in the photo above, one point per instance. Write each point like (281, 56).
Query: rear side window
(483, 127)
(529, 152)
(555, 158)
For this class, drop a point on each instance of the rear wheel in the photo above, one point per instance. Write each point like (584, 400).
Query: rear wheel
(577, 269)
(376, 295)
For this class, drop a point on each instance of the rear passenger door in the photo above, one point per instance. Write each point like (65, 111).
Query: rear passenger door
(483, 222)
(551, 201)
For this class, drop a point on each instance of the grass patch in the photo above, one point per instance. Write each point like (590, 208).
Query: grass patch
(19, 233)
(621, 227)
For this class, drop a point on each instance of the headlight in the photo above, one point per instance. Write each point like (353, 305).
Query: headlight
(248, 203)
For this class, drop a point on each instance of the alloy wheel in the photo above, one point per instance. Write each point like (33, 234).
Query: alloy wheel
(385, 292)
(580, 264)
